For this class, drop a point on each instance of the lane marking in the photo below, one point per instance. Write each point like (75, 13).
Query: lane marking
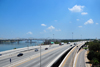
(67, 57)
(77, 57)
(32, 57)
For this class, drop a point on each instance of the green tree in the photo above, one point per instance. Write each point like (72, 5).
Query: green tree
(90, 55)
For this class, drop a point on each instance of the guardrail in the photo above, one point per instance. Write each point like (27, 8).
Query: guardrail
(77, 54)
(57, 60)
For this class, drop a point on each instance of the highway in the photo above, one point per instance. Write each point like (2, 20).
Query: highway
(45, 58)
(55, 50)
(70, 59)
(80, 62)
(6, 60)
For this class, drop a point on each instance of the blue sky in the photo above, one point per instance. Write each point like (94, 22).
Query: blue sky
(43, 18)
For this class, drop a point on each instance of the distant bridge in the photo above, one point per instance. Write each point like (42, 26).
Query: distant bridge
(18, 40)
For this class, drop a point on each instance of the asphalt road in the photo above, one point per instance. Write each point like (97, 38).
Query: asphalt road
(81, 59)
(45, 59)
(27, 54)
(70, 59)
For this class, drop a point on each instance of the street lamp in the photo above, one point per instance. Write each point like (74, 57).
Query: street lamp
(72, 35)
(53, 36)
(81, 37)
(40, 55)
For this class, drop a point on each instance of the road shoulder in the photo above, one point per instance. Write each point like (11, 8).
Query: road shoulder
(86, 60)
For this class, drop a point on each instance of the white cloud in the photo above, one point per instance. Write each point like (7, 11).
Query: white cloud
(43, 25)
(58, 29)
(55, 20)
(44, 30)
(84, 13)
(96, 23)
(90, 21)
(70, 22)
(51, 27)
(77, 19)
(79, 26)
(29, 33)
(76, 8)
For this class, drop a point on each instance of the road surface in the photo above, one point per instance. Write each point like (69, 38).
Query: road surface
(80, 62)
(45, 59)
(70, 59)
(6, 60)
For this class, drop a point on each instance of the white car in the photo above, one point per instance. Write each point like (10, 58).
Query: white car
(62, 43)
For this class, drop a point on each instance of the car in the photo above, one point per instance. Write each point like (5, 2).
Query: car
(75, 43)
(46, 48)
(62, 43)
(0, 54)
(36, 50)
(20, 54)
(68, 42)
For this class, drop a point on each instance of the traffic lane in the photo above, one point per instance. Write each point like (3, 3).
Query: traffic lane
(70, 60)
(81, 60)
(8, 56)
(26, 55)
(45, 59)
(28, 50)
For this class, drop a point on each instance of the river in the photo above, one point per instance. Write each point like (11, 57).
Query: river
(9, 46)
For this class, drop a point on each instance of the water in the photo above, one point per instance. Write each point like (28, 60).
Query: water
(9, 46)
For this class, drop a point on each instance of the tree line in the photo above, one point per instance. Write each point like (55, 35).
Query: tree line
(94, 53)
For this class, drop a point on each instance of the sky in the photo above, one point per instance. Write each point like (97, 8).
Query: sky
(58, 19)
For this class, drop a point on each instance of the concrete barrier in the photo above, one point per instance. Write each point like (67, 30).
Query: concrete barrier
(55, 60)
(18, 50)
(77, 55)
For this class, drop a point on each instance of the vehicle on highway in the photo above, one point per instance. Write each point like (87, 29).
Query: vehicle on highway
(62, 43)
(20, 54)
(46, 48)
(0, 54)
(36, 50)
(70, 45)
(75, 43)
(68, 42)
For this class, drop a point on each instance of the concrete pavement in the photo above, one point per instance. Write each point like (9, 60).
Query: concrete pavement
(80, 62)
(6, 60)
(45, 59)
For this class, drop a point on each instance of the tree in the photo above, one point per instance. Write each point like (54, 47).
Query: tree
(90, 55)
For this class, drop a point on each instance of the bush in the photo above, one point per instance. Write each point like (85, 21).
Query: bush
(94, 52)
(14, 48)
(95, 61)
(90, 55)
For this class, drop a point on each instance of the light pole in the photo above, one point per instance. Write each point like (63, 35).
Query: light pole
(40, 55)
(53, 36)
(72, 35)
(81, 37)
